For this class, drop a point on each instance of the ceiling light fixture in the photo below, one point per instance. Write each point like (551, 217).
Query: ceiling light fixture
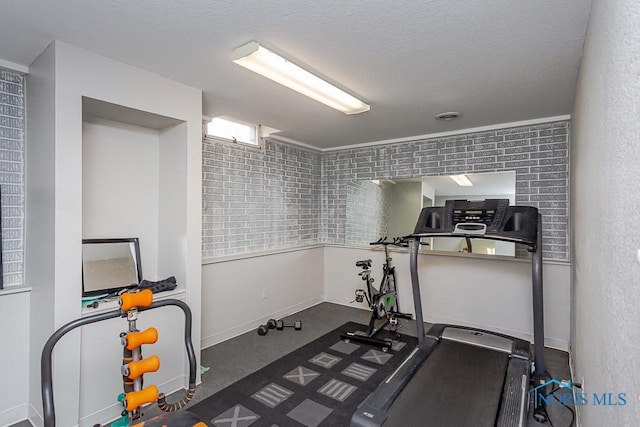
(272, 66)
(461, 180)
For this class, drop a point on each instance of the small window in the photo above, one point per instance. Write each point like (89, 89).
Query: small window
(235, 131)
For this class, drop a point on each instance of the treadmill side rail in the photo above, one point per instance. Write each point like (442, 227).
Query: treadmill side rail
(515, 395)
(372, 412)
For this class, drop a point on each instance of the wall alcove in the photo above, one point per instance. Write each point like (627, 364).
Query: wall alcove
(114, 151)
(134, 175)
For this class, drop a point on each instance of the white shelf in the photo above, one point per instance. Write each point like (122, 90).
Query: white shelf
(112, 304)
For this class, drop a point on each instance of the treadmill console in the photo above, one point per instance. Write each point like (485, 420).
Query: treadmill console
(475, 218)
(491, 218)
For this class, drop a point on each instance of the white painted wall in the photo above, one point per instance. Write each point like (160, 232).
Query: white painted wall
(120, 186)
(176, 203)
(405, 202)
(605, 199)
(232, 291)
(499, 298)
(61, 76)
(40, 231)
(486, 293)
(429, 192)
(14, 358)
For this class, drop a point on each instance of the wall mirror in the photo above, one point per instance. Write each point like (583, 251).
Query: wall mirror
(110, 265)
(390, 207)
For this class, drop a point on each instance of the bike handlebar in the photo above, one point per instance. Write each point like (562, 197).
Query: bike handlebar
(380, 241)
(397, 241)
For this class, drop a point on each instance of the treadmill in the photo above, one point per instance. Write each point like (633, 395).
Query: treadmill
(460, 376)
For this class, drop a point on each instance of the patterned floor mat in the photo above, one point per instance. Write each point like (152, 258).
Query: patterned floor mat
(320, 384)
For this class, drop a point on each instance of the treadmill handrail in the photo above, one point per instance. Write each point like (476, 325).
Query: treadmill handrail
(473, 236)
(536, 280)
(493, 219)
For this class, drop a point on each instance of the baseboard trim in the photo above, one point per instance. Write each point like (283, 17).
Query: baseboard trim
(353, 305)
(112, 412)
(253, 324)
(35, 417)
(14, 415)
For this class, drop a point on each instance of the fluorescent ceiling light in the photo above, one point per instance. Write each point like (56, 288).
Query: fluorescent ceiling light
(272, 66)
(461, 180)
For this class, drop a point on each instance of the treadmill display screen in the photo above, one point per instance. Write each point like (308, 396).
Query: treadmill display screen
(488, 213)
(474, 216)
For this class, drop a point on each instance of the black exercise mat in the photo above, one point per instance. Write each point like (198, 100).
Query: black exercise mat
(320, 384)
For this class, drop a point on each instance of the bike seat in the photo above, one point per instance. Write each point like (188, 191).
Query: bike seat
(365, 263)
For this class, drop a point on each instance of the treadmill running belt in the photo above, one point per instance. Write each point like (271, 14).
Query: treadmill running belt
(458, 385)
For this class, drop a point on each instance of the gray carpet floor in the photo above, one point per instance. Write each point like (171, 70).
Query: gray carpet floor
(237, 358)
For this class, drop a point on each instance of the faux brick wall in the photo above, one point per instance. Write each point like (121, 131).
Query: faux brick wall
(537, 153)
(259, 199)
(284, 196)
(12, 125)
(367, 214)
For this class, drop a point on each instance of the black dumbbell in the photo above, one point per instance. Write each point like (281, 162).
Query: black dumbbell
(297, 325)
(263, 329)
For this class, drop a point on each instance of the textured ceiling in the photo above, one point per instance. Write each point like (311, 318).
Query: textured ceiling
(496, 61)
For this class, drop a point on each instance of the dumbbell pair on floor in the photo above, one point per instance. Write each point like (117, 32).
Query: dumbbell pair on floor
(278, 325)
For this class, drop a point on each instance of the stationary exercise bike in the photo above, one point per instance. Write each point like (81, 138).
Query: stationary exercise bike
(382, 301)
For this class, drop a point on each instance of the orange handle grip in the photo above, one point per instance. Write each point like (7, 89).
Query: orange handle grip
(141, 299)
(139, 367)
(136, 339)
(135, 399)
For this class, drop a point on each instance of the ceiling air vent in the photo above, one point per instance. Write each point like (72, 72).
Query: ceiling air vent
(449, 115)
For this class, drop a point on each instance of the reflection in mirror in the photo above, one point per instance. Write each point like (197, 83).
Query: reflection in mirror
(109, 265)
(367, 211)
(391, 207)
